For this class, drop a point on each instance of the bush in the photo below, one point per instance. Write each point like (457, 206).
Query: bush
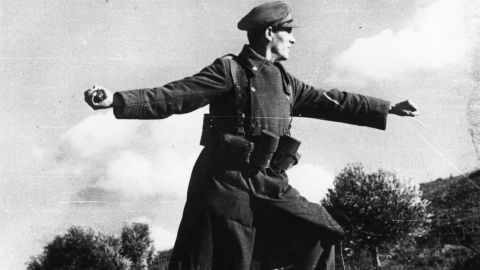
(85, 249)
(80, 249)
(375, 209)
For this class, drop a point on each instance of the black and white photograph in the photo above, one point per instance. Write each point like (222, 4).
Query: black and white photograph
(240, 135)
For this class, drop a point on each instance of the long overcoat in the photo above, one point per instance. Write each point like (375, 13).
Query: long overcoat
(237, 218)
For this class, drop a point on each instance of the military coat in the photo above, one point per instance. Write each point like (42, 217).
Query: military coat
(237, 218)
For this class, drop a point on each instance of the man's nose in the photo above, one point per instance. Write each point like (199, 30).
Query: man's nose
(292, 40)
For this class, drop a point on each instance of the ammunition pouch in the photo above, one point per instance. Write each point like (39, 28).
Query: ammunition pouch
(264, 151)
(286, 155)
(234, 151)
(265, 146)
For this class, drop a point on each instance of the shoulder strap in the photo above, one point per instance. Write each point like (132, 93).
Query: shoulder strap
(235, 68)
(240, 81)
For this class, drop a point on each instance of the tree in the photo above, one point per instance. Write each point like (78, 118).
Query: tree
(137, 245)
(375, 209)
(80, 249)
(161, 260)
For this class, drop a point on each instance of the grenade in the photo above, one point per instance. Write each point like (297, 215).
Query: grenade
(286, 155)
(98, 96)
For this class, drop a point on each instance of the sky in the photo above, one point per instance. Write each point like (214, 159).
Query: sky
(63, 164)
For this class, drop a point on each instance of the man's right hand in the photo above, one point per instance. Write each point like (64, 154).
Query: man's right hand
(98, 98)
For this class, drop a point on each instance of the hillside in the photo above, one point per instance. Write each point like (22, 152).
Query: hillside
(452, 188)
(455, 202)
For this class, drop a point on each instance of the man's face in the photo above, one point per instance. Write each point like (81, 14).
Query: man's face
(282, 41)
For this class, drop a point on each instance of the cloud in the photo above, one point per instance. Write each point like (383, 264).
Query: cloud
(312, 181)
(38, 152)
(162, 238)
(437, 36)
(133, 174)
(132, 166)
(96, 194)
(96, 134)
(132, 158)
(473, 68)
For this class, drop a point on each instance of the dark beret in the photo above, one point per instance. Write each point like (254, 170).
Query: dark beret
(275, 13)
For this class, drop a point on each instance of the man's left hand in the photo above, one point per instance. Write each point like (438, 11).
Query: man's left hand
(404, 108)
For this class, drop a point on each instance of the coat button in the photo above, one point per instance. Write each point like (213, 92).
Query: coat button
(254, 68)
(253, 89)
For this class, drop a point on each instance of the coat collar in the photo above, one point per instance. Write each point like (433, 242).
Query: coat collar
(251, 60)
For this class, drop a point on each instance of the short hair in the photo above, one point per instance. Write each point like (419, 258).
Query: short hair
(255, 35)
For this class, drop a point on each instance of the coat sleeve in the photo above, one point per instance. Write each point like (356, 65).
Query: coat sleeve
(338, 106)
(176, 97)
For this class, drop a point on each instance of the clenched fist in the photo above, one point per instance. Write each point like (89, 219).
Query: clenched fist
(98, 98)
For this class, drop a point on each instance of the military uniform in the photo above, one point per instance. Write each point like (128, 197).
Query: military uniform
(244, 218)
(239, 215)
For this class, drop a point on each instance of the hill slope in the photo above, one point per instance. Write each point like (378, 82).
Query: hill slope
(455, 202)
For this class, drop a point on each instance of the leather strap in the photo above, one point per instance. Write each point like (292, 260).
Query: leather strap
(240, 84)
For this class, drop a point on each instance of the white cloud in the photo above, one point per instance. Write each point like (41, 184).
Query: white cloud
(130, 173)
(133, 157)
(436, 37)
(162, 238)
(134, 175)
(312, 181)
(39, 152)
(141, 219)
(97, 133)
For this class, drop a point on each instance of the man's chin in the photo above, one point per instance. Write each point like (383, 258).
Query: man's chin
(282, 58)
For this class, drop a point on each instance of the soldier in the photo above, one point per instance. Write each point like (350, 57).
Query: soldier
(241, 213)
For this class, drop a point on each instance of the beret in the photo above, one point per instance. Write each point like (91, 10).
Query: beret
(275, 13)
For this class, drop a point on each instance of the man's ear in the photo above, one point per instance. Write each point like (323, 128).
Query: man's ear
(269, 33)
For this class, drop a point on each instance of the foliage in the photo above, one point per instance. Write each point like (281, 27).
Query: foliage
(80, 249)
(160, 260)
(85, 249)
(456, 210)
(472, 263)
(362, 202)
(375, 209)
(137, 245)
(410, 255)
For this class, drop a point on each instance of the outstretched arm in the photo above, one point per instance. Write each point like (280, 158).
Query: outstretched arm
(176, 97)
(346, 107)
